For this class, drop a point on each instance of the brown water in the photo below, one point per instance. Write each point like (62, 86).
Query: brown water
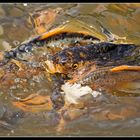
(110, 115)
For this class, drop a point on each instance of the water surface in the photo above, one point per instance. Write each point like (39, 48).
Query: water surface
(114, 114)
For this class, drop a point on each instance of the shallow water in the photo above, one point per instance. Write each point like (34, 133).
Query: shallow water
(113, 114)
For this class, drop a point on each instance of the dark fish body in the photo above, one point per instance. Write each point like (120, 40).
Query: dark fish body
(103, 53)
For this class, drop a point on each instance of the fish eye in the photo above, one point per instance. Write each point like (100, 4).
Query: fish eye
(75, 66)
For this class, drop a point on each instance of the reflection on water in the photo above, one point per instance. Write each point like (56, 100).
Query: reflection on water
(116, 113)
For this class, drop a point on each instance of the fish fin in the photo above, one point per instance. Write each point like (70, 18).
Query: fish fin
(125, 67)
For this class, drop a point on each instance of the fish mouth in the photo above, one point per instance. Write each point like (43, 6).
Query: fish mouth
(81, 72)
(52, 68)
